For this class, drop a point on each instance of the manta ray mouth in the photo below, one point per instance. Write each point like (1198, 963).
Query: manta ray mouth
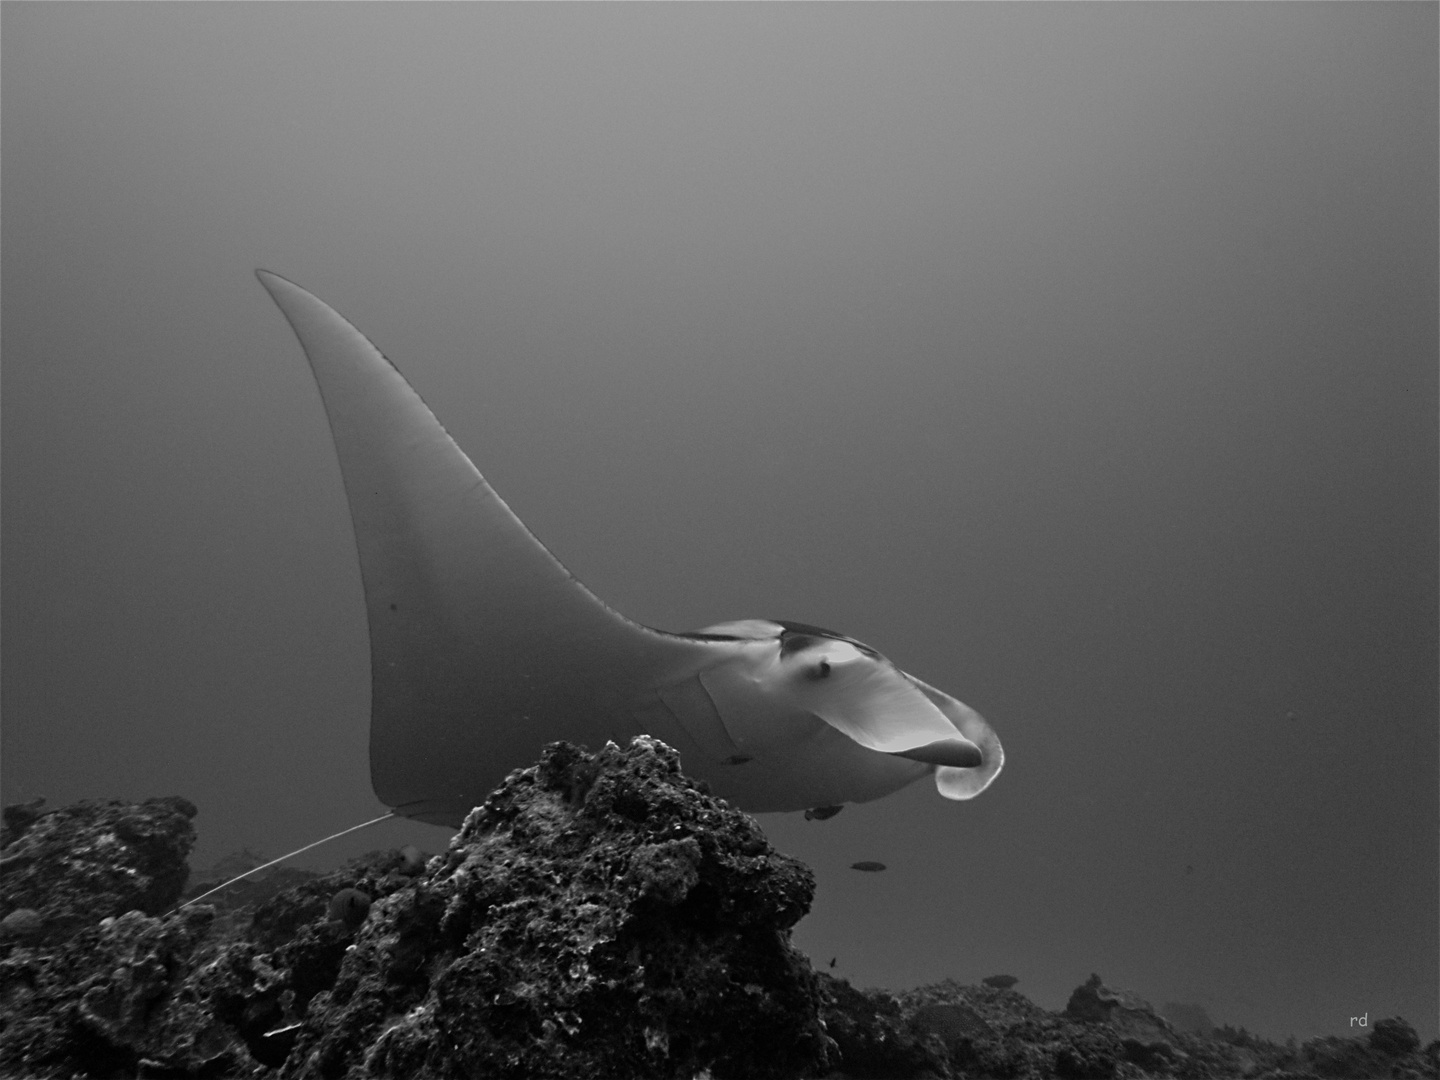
(953, 753)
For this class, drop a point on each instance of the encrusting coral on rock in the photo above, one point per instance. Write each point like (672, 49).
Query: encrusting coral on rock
(596, 917)
(78, 864)
(599, 916)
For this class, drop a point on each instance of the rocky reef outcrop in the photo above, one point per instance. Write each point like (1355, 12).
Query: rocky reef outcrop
(953, 1031)
(600, 915)
(75, 865)
(596, 917)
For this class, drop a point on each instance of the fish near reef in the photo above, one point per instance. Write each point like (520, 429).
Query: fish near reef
(868, 866)
(1000, 982)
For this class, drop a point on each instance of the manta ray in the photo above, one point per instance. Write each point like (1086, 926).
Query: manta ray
(483, 647)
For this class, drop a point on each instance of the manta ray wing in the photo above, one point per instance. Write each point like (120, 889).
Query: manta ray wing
(483, 647)
(966, 783)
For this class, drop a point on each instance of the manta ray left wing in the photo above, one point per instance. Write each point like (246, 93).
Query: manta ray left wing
(483, 647)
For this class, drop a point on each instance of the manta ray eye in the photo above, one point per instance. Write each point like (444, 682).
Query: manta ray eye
(821, 670)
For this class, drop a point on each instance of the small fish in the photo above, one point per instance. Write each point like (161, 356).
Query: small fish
(1000, 982)
(868, 866)
(822, 813)
(832, 960)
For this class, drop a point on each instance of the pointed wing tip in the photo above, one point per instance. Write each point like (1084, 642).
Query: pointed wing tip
(273, 282)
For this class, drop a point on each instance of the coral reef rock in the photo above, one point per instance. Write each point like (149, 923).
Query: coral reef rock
(81, 863)
(1394, 1037)
(950, 1031)
(1189, 1018)
(598, 916)
(1148, 1038)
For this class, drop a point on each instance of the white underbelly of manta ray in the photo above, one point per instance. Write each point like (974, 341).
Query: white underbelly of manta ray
(483, 647)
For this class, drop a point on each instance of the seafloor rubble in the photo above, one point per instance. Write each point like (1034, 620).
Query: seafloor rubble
(599, 916)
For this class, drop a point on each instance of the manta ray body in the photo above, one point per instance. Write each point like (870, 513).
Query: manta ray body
(483, 647)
